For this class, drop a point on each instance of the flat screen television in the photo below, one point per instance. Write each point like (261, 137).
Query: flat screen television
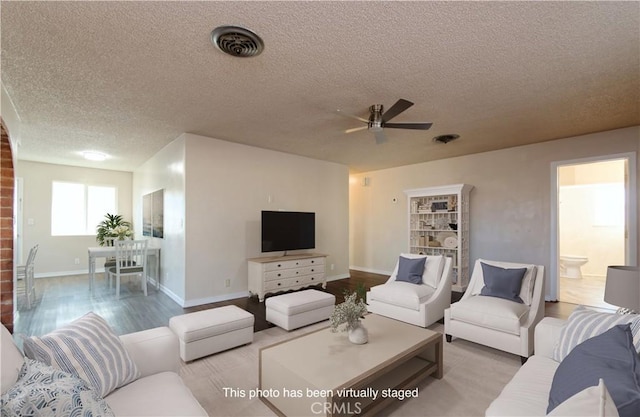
(288, 230)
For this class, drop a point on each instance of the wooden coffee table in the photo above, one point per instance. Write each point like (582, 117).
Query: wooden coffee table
(323, 374)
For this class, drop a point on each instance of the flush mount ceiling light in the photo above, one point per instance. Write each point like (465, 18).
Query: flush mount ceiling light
(446, 138)
(237, 41)
(94, 156)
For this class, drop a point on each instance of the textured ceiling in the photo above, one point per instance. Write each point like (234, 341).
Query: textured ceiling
(127, 78)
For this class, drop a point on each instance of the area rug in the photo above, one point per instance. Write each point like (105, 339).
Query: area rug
(473, 376)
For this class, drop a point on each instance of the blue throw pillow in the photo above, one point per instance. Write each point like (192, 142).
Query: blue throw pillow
(410, 270)
(502, 282)
(610, 356)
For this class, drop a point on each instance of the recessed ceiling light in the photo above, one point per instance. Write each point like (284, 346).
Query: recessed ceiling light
(94, 156)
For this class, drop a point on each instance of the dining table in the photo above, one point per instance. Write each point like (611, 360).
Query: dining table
(109, 252)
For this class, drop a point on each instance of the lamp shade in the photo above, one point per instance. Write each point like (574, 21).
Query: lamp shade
(623, 287)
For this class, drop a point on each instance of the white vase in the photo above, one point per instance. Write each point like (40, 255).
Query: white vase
(358, 334)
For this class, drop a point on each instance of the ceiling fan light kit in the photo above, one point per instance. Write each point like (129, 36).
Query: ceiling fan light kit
(378, 120)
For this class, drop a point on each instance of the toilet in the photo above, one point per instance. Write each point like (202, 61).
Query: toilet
(570, 265)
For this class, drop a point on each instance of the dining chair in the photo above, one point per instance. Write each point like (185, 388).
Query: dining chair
(25, 276)
(131, 259)
(111, 261)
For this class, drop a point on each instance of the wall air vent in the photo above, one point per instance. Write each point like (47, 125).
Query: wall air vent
(445, 138)
(237, 41)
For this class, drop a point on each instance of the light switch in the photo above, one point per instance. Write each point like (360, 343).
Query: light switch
(30, 222)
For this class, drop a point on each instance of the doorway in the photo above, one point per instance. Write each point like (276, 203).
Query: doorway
(594, 226)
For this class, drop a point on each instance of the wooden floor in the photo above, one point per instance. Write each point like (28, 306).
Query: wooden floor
(63, 299)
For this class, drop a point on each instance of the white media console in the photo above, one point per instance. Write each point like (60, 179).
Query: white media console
(282, 273)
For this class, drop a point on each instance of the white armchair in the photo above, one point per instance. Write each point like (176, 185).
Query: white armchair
(497, 322)
(419, 304)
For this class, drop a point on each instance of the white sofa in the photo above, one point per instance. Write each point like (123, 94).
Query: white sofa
(159, 391)
(527, 394)
(420, 305)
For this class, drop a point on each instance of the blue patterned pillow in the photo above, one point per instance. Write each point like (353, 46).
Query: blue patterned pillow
(42, 390)
(87, 348)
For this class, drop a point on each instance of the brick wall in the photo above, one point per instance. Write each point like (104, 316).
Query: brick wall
(6, 230)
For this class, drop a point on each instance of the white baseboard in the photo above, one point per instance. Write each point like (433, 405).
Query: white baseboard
(198, 301)
(370, 270)
(337, 277)
(175, 297)
(65, 273)
(215, 299)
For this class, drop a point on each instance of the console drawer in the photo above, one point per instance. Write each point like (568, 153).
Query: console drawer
(295, 272)
(295, 263)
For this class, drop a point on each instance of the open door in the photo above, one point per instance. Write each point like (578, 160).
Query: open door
(593, 225)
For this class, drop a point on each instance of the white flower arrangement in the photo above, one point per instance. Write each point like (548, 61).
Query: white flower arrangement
(113, 226)
(349, 312)
(121, 232)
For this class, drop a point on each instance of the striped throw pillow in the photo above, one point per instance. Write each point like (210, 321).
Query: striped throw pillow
(87, 348)
(584, 324)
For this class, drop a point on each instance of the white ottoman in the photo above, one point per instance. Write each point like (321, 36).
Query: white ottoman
(298, 309)
(210, 331)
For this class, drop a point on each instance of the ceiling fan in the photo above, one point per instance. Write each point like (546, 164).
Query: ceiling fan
(378, 120)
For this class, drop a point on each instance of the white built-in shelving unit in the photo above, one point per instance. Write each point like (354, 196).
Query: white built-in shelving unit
(439, 225)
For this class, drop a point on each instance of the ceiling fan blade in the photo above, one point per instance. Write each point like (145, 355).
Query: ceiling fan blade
(400, 106)
(340, 112)
(418, 126)
(380, 137)
(355, 129)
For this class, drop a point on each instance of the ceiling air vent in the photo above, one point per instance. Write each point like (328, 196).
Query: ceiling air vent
(446, 138)
(237, 41)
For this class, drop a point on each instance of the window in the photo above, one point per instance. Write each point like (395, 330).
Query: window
(609, 207)
(76, 209)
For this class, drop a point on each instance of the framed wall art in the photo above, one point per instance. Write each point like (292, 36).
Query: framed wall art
(153, 214)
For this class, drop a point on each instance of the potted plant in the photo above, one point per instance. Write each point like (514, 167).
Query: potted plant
(113, 226)
(350, 312)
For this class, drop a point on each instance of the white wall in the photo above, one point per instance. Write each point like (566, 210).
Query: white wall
(226, 185)
(165, 170)
(510, 204)
(57, 254)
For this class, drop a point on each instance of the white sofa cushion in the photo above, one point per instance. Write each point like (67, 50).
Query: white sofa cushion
(584, 323)
(490, 312)
(527, 394)
(402, 294)
(163, 394)
(11, 360)
(433, 267)
(591, 402)
(528, 281)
